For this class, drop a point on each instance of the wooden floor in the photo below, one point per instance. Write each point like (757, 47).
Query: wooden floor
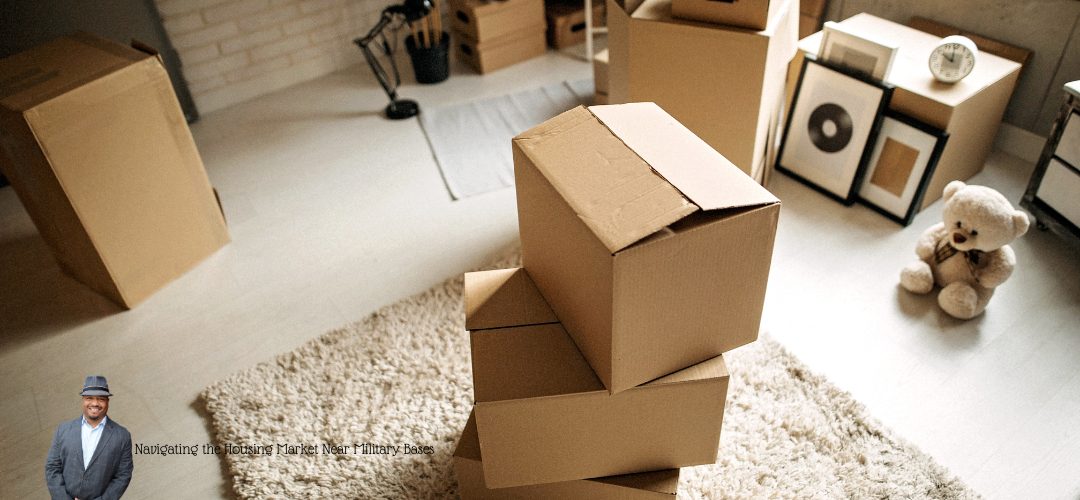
(334, 211)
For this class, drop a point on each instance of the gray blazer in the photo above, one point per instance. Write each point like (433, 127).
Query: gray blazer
(109, 471)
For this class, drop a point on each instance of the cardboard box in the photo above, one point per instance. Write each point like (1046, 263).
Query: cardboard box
(498, 53)
(808, 25)
(566, 21)
(469, 468)
(600, 71)
(970, 110)
(812, 8)
(483, 20)
(97, 148)
(723, 83)
(650, 247)
(753, 14)
(542, 415)
(599, 98)
(618, 23)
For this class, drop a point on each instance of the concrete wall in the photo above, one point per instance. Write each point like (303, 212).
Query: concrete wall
(1049, 28)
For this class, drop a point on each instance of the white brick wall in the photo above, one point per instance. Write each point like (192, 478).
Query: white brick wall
(235, 50)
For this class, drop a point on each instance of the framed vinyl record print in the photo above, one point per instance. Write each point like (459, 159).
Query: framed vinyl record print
(902, 160)
(833, 116)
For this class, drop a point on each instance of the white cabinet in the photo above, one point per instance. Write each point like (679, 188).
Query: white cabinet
(1053, 194)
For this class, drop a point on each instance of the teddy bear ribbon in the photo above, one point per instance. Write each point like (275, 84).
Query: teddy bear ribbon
(945, 251)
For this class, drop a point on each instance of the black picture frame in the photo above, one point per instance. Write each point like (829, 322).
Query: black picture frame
(804, 151)
(907, 134)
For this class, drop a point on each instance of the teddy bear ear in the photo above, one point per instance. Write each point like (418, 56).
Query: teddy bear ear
(1020, 222)
(951, 189)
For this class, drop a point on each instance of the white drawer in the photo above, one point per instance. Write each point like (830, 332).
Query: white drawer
(1068, 148)
(1060, 188)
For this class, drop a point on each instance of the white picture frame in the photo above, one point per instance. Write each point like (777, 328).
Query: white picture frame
(859, 52)
(902, 162)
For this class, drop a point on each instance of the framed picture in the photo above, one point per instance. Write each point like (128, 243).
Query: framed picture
(860, 53)
(833, 116)
(902, 160)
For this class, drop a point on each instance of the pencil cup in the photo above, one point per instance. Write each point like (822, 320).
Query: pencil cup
(432, 63)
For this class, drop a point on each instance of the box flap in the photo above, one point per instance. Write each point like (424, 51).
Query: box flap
(503, 298)
(703, 175)
(468, 445)
(614, 192)
(528, 362)
(710, 368)
(46, 71)
(662, 481)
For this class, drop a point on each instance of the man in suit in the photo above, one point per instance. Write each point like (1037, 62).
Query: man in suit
(90, 456)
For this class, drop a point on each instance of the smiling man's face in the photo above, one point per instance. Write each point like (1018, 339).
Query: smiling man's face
(95, 407)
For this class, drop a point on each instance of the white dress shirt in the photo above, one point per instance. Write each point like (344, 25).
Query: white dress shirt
(90, 438)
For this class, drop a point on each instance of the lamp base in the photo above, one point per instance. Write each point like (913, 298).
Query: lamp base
(402, 109)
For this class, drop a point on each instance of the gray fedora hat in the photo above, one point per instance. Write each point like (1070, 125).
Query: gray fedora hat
(95, 385)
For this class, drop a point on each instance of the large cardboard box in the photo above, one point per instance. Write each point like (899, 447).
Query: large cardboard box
(652, 249)
(808, 25)
(96, 146)
(970, 110)
(566, 21)
(469, 468)
(814, 8)
(506, 50)
(810, 14)
(543, 416)
(721, 82)
(754, 14)
(483, 20)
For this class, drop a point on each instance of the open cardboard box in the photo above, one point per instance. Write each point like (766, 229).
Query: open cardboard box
(469, 468)
(543, 416)
(651, 248)
(97, 148)
(722, 82)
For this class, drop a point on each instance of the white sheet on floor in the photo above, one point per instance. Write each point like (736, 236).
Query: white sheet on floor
(471, 140)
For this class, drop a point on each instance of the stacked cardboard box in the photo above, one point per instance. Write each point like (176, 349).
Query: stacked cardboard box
(721, 74)
(566, 21)
(494, 35)
(646, 254)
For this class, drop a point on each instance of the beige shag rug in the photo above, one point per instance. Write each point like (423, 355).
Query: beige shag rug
(402, 375)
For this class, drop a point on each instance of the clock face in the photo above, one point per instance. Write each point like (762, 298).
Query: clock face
(949, 62)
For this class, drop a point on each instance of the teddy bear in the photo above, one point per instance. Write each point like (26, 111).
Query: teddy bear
(968, 253)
